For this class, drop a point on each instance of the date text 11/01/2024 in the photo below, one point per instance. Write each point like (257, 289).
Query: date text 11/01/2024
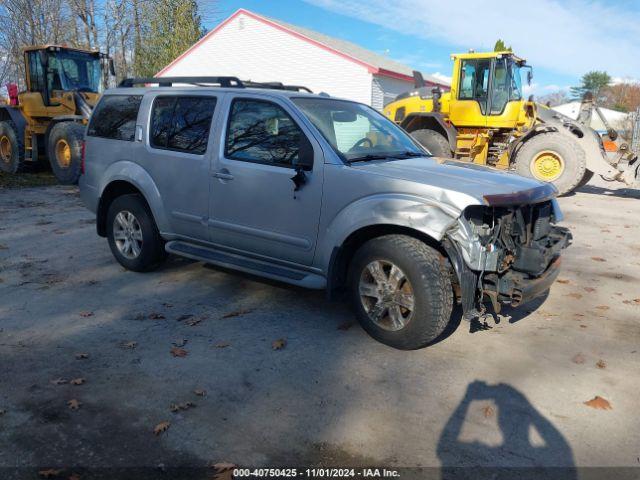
(315, 473)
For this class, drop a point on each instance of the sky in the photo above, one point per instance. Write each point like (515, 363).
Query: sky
(562, 40)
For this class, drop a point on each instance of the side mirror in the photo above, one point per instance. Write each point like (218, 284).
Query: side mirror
(112, 67)
(305, 155)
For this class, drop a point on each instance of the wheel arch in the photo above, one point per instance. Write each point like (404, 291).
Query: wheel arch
(431, 121)
(136, 181)
(14, 115)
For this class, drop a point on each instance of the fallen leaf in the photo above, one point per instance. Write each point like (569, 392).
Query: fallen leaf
(574, 295)
(77, 381)
(74, 476)
(130, 345)
(562, 280)
(200, 392)
(346, 325)
(180, 343)
(236, 313)
(195, 321)
(156, 316)
(602, 307)
(578, 358)
(589, 289)
(179, 352)
(167, 305)
(74, 404)
(583, 326)
(86, 314)
(58, 381)
(49, 473)
(636, 300)
(81, 356)
(223, 471)
(279, 344)
(176, 407)
(2, 411)
(488, 411)
(601, 364)
(598, 403)
(161, 427)
(598, 259)
(222, 345)
(186, 316)
(3, 247)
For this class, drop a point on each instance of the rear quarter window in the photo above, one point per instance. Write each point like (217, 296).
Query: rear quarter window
(115, 117)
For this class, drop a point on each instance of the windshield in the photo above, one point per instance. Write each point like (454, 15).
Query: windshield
(68, 70)
(357, 132)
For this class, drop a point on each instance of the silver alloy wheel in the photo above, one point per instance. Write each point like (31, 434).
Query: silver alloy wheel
(127, 234)
(386, 295)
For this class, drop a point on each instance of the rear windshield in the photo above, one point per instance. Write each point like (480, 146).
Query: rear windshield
(115, 117)
(355, 130)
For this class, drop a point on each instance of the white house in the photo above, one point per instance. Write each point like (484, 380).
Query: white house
(617, 120)
(253, 47)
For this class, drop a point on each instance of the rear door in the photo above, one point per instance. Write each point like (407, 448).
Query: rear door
(254, 207)
(177, 155)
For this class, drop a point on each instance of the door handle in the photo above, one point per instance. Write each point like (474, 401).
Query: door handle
(223, 175)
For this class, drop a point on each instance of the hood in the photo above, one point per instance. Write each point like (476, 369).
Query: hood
(487, 185)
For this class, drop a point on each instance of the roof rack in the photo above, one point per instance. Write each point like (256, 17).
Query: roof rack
(226, 82)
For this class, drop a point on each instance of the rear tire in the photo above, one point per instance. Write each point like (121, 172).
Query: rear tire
(418, 289)
(64, 151)
(133, 235)
(529, 161)
(433, 141)
(11, 149)
(588, 175)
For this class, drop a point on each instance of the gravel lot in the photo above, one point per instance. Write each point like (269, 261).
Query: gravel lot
(512, 395)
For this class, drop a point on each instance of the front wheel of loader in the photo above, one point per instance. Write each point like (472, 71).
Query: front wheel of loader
(554, 158)
(11, 149)
(433, 141)
(64, 151)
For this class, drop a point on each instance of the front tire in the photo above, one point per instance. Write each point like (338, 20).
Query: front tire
(401, 291)
(133, 235)
(11, 149)
(554, 158)
(433, 141)
(64, 151)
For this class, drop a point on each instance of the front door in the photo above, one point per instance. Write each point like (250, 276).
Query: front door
(469, 107)
(254, 207)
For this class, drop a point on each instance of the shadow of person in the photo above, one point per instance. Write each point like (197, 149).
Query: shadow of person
(530, 446)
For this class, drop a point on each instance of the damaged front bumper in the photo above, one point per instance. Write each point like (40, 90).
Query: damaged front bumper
(511, 277)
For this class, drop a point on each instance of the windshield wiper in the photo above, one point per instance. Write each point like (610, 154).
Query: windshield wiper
(407, 154)
(366, 158)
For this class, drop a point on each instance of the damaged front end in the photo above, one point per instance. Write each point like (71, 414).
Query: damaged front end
(505, 254)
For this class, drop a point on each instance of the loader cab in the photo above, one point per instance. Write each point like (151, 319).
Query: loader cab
(487, 90)
(54, 72)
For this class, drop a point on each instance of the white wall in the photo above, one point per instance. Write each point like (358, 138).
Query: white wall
(386, 89)
(252, 50)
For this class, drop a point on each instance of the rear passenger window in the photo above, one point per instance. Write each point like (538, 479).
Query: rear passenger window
(115, 117)
(262, 132)
(181, 123)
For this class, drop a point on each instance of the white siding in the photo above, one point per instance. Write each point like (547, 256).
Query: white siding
(252, 50)
(385, 89)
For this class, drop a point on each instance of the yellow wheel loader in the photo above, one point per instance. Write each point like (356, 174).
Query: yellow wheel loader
(485, 119)
(48, 119)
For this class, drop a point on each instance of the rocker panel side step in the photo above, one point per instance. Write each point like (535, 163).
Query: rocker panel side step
(246, 264)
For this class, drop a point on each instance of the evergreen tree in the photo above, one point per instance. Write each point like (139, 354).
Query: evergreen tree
(593, 82)
(172, 27)
(501, 46)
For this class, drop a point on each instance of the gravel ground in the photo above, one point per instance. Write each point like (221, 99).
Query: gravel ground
(512, 395)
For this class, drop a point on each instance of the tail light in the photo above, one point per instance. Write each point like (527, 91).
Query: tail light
(82, 149)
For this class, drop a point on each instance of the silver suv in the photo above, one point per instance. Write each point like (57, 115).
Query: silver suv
(317, 192)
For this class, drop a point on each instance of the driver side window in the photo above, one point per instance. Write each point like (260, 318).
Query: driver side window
(474, 81)
(262, 132)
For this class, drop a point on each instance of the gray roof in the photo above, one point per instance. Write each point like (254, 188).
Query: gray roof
(355, 51)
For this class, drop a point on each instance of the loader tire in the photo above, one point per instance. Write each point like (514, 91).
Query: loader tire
(11, 149)
(433, 141)
(588, 175)
(554, 158)
(64, 151)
